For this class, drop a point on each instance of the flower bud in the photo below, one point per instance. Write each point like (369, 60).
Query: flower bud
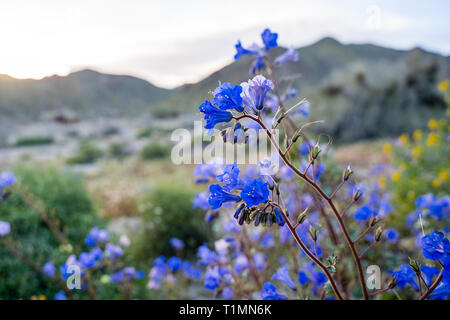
(373, 221)
(347, 173)
(313, 233)
(301, 217)
(378, 234)
(393, 283)
(357, 195)
(414, 265)
(315, 152)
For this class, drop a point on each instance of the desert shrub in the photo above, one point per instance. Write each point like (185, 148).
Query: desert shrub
(144, 133)
(155, 150)
(167, 212)
(118, 150)
(33, 141)
(164, 113)
(87, 153)
(68, 205)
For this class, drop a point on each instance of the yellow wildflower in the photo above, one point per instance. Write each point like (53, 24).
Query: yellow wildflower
(436, 183)
(432, 139)
(395, 176)
(387, 148)
(417, 135)
(432, 124)
(416, 151)
(403, 139)
(443, 175)
(443, 86)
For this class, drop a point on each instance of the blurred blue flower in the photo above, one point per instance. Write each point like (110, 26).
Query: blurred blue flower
(259, 260)
(302, 278)
(212, 278)
(96, 236)
(227, 293)
(174, 264)
(289, 55)
(60, 295)
(201, 200)
(218, 196)
(206, 256)
(240, 51)
(176, 243)
(282, 274)
(5, 228)
(7, 179)
(214, 115)
(269, 39)
(227, 96)
(113, 252)
(267, 240)
(49, 269)
(269, 292)
(255, 192)
(241, 263)
(435, 246)
(364, 213)
(391, 235)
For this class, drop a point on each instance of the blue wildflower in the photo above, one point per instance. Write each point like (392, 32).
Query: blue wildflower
(218, 196)
(302, 278)
(230, 178)
(255, 192)
(429, 273)
(282, 274)
(60, 295)
(201, 200)
(95, 236)
(269, 292)
(391, 235)
(117, 277)
(212, 278)
(113, 252)
(5, 228)
(7, 179)
(254, 92)
(267, 240)
(435, 246)
(176, 243)
(174, 264)
(227, 293)
(289, 55)
(240, 51)
(269, 39)
(241, 263)
(442, 291)
(214, 115)
(259, 261)
(49, 269)
(404, 276)
(257, 65)
(227, 96)
(191, 272)
(206, 256)
(364, 213)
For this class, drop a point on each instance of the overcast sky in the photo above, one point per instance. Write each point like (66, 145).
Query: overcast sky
(173, 42)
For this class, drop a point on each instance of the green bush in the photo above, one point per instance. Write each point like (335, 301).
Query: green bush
(117, 150)
(144, 133)
(167, 213)
(87, 153)
(33, 141)
(155, 150)
(69, 207)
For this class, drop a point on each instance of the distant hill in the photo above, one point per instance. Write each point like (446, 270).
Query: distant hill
(87, 93)
(360, 90)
